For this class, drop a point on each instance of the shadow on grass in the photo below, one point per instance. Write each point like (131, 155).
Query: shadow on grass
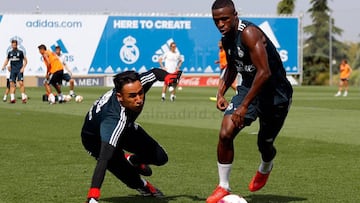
(141, 199)
(272, 199)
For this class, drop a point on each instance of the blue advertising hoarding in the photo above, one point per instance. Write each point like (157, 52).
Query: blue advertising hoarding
(136, 43)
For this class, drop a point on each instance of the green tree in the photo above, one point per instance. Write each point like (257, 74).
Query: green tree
(353, 52)
(285, 7)
(316, 46)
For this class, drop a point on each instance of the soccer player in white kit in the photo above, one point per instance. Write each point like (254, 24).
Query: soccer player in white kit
(67, 76)
(172, 63)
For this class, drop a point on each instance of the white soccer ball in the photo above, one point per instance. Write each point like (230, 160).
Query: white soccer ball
(51, 99)
(232, 198)
(67, 98)
(171, 88)
(79, 98)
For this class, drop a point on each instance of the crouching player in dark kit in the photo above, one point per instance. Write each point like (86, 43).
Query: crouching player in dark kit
(109, 130)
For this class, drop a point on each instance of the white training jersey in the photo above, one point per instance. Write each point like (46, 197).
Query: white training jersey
(171, 61)
(7, 73)
(7, 70)
(62, 60)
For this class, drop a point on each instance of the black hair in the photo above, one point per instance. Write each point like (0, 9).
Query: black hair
(14, 41)
(42, 46)
(223, 3)
(58, 47)
(124, 78)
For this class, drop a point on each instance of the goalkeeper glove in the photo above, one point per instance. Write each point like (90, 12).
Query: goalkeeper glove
(93, 195)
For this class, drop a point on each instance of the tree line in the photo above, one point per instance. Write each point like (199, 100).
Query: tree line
(320, 42)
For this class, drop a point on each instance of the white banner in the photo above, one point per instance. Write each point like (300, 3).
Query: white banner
(77, 35)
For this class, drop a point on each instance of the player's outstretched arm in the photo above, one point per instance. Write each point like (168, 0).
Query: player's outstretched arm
(106, 153)
(156, 74)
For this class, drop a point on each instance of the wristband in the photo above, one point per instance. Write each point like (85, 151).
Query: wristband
(94, 192)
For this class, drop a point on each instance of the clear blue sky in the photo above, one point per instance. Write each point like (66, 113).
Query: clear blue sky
(344, 12)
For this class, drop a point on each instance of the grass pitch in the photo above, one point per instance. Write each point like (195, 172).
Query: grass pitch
(42, 159)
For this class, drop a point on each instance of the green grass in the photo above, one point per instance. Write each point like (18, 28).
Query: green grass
(42, 159)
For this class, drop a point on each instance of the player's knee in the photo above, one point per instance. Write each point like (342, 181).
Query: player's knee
(225, 137)
(161, 158)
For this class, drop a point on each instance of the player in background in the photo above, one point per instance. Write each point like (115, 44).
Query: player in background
(18, 62)
(7, 90)
(171, 62)
(110, 129)
(222, 65)
(345, 72)
(54, 72)
(67, 76)
(265, 92)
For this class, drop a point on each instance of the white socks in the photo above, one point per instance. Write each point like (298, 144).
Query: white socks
(224, 174)
(225, 169)
(265, 167)
(12, 97)
(23, 96)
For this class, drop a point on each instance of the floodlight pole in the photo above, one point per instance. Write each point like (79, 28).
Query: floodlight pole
(330, 50)
(301, 49)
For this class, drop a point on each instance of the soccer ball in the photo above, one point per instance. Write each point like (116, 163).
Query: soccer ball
(51, 99)
(79, 98)
(67, 98)
(171, 88)
(232, 198)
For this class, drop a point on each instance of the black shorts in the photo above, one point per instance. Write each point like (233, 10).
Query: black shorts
(16, 75)
(271, 120)
(251, 114)
(56, 78)
(134, 140)
(66, 77)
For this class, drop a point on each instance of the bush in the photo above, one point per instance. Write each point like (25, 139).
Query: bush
(322, 79)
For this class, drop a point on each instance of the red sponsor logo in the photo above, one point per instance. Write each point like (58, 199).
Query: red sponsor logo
(202, 81)
(212, 81)
(190, 81)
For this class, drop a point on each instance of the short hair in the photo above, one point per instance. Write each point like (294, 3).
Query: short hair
(14, 41)
(58, 47)
(223, 3)
(42, 46)
(124, 78)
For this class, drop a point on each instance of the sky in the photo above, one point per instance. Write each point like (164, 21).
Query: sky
(344, 12)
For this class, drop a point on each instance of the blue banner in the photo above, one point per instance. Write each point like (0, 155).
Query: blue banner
(284, 33)
(136, 43)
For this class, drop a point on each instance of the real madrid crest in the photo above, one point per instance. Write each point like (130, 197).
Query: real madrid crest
(129, 52)
(240, 52)
(19, 42)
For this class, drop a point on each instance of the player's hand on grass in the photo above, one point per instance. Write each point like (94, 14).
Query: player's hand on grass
(92, 200)
(93, 195)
